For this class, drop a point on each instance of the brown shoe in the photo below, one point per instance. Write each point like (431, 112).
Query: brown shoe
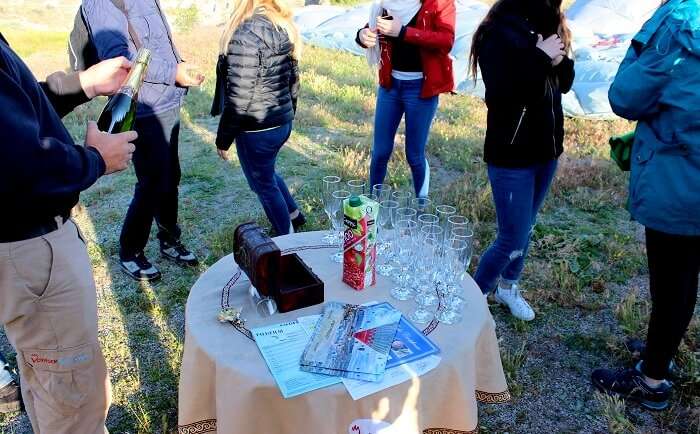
(10, 399)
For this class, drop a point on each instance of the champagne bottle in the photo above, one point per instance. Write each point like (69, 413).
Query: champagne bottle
(120, 111)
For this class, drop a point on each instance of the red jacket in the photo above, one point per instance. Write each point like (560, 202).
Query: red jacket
(434, 33)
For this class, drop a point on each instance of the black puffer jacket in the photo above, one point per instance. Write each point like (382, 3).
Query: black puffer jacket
(525, 124)
(257, 81)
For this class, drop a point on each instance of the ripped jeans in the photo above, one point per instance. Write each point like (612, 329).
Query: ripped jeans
(518, 194)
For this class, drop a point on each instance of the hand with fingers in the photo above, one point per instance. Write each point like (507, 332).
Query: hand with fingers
(368, 38)
(389, 26)
(105, 78)
(553, 47)
(223, 154)
(116, 149)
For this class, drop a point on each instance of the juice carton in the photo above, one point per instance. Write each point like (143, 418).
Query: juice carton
(360, 242)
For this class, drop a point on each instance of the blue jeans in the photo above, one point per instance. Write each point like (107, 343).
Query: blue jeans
(403, 97)
(257, 153)
(518, 194)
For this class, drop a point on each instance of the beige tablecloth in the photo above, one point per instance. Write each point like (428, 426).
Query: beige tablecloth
(226, 388)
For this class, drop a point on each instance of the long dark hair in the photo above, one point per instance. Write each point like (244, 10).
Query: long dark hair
(546, 16)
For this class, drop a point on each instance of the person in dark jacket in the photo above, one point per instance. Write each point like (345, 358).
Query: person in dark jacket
(48, 303)
(521, 49)
(410, 42)
(658, 85)
(257, 89)
(156, 159)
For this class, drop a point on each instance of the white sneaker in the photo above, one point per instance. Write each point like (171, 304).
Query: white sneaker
(518, 306)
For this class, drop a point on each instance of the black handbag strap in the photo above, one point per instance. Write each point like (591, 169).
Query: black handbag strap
(119, 4)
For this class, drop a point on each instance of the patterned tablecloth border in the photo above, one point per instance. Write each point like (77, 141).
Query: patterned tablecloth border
(209, 425)
(226, 291)
(200, 427)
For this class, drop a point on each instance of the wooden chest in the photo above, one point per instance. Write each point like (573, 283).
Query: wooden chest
(286, 278)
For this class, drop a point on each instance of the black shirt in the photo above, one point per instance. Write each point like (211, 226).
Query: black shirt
(404, 56)
(42, 171)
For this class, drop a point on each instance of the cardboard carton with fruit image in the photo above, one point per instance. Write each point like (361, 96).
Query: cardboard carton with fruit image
(360, 242)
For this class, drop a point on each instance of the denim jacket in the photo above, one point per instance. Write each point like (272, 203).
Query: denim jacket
(658, 85)
(109, 32)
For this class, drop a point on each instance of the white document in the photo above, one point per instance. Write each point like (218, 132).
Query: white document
(281, 346)
(359, 389)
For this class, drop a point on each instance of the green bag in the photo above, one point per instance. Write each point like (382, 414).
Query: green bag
(621, 150)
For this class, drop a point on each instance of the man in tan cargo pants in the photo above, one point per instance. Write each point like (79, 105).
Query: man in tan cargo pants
(47, 293)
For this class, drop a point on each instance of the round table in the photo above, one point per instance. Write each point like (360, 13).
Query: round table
(226, 387)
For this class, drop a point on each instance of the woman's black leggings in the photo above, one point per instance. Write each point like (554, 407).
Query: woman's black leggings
(674, 264)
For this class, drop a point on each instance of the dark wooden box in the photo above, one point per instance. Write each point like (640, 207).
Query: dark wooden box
(286, 278)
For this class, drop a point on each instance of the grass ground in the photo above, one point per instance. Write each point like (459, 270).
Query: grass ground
(585, 275)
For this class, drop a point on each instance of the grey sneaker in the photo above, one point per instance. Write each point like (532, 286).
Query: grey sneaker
(177, 253)
(139, 268)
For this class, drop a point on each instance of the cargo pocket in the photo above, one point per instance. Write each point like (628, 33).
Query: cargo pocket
(62, 380)
(34, 262)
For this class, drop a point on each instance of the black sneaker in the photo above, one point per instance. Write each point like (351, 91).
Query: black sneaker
(138, 268)
(637, 347)
(298, 222)
(630, 384)
(10, 398)
(177, 253)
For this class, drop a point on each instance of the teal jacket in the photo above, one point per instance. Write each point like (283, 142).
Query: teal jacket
(658, 85)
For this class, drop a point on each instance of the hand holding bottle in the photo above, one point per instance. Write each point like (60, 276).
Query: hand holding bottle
(116, 149)
(552, 46)
(186, 76)
(389, 26)
(105, 78)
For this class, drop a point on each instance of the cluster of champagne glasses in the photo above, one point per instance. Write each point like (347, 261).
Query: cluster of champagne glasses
(425, 248)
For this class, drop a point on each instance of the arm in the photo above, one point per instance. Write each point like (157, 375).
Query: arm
(109, 30)
(442, 38)
(64, 91)
(44, 166)
(636, 90)
(243, 64)
(512, 74)
(566, 74)
(294, 83)
(67, 91)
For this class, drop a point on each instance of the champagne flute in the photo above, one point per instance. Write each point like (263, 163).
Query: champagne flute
(356, 187)
(402, 197)
(330, 184)
(382, 191)
(431, 237)
(338, 213)
(450, 311)
(428, 220)
(467, 235)
(455, 221)
(444, 212)
(387, 212)
(422, 204)
(406, 214)
(405, 246)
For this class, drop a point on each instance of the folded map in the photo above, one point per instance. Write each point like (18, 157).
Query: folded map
(352, 341)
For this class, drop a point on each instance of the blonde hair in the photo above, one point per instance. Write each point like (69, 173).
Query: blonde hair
(277, 11)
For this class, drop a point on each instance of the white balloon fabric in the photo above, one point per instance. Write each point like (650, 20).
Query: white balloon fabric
(602, 32)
